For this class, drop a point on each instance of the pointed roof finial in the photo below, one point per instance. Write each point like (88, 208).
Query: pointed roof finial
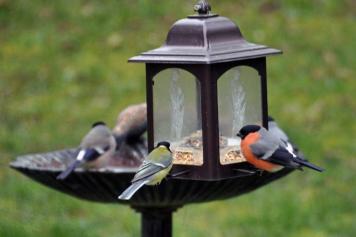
(202, 7)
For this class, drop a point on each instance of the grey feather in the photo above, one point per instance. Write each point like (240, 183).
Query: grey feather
(276, 131)
(284, 139)
(165, 161)
(130, 191)
(153, 169)
(147, 172)
(98, 138)
(149, 168)
(102, 141)
(266, 145)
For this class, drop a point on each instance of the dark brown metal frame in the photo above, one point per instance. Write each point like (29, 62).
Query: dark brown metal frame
(208, 76)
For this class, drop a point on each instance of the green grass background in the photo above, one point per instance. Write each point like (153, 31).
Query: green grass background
(64, 65)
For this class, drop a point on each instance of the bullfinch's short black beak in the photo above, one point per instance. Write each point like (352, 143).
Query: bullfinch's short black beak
(239, 135)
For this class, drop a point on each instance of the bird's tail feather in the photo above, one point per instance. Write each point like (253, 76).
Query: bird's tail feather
(309, 165)
(130, 191)
(69, 170)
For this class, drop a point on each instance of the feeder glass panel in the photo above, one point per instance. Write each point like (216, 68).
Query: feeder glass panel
(239, 98)
(177, 115)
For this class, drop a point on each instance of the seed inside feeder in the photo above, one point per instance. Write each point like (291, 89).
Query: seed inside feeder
(189, 151)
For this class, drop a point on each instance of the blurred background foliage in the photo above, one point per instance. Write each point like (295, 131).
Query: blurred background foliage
(64, 65)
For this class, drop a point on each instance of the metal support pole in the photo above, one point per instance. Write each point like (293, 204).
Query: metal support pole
(156, 222)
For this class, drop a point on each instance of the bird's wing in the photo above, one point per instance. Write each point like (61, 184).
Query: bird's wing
(165, 161)
(147, 171)
(277, 131)
(289, 147)
(91, 154)
(150, 167)
(283, 157)
(98, 137)
(265, 146)
(283, 138)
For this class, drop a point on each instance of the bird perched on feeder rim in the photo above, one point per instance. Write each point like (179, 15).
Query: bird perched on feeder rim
(131, 123)
(263, 149)
(152, 171)
(95, 149)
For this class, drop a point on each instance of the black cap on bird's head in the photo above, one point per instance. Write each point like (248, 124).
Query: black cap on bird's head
(244, 131)
(98, 123)
(165, 144)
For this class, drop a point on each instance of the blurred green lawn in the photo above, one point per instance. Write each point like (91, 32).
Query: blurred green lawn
(64, 65)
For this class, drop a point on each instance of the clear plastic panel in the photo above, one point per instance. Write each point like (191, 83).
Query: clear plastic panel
(239, 98)
(177, 115)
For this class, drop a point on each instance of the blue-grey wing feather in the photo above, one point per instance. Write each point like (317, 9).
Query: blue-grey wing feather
(266, 145)
(146, 172)
(149, 168)
(276, 131)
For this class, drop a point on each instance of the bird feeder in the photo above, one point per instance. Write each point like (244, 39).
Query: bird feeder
(203, 85)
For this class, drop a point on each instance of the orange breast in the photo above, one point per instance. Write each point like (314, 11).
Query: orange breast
(251, 158)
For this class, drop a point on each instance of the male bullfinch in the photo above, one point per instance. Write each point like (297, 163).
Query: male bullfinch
(131, 123)
(264, 150)
(95, 149)
(154, 168)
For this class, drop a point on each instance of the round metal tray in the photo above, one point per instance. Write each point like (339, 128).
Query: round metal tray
(105, 185)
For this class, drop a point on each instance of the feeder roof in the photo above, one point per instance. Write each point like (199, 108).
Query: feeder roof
(204, 39)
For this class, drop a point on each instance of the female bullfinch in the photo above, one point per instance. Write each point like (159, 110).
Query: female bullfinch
(95, 149)
(265, 151)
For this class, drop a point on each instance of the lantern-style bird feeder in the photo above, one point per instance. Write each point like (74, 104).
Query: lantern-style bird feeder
(203, 85)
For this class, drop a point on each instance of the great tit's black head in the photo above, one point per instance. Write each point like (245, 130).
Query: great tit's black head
(98, 123)
(244, 131)
(164, 143)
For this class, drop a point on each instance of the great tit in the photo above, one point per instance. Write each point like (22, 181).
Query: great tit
(154, 168)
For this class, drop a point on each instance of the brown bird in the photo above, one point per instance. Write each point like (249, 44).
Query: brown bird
(130, 124)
